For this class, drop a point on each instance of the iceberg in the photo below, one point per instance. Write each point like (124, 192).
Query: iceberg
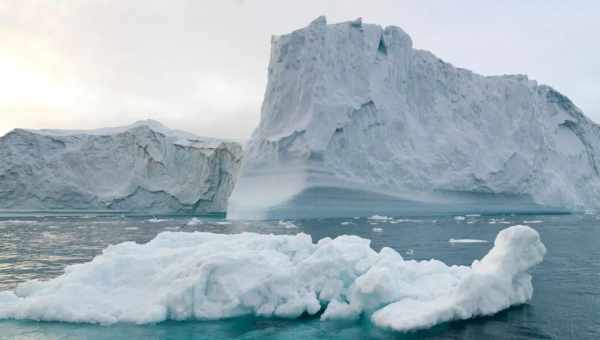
(206, 276)
(141, 167)
(355, 120)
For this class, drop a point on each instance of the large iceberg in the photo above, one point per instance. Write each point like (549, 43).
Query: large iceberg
(353, 114)
(141, 167)
(206, 276)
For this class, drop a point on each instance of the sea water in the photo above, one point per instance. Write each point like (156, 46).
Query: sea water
(565, 305)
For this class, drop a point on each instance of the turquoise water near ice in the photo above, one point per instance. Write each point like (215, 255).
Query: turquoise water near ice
(566, 302)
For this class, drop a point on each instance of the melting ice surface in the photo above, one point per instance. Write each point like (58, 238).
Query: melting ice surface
(208, 276)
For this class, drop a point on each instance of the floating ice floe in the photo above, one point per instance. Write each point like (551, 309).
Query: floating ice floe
(156, 220)
(466, 240)
(380, 218)
(405, 220)
(459, 218)
(207, 276)
(346, 223)
(533, 221)
(193, 222)
(377, 230)
(131, 228)
(287, 224)
(223, 222)
(18, 222)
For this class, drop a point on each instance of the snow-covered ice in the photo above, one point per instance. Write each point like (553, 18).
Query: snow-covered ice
(180, 276)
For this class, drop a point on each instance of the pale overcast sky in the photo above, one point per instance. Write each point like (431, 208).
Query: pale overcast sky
(201, 65)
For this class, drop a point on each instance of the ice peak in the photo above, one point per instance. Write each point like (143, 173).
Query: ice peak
(396, 36)
(356, 22)
(151, 123)
(321, 20)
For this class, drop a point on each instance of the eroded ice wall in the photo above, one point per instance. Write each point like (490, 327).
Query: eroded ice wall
(143, 167)
(354, 106)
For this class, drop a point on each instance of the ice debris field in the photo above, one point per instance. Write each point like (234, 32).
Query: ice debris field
(207, 276)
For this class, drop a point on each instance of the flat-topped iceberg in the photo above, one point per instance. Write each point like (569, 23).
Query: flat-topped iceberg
(141, 167)
(206, 276)
(353, 114)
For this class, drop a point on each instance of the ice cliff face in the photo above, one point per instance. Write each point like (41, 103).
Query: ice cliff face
(355, 106)
(141, 167)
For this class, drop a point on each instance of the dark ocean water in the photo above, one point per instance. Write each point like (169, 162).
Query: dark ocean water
(566, 302)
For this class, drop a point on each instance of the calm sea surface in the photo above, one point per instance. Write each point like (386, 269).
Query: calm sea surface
(566, 302)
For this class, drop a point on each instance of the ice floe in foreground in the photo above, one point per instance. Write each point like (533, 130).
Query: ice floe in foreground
(201, 275)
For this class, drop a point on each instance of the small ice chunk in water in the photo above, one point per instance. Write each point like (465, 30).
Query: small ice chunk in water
(156, 220)
(466, 240)
(346, 223)
(194, 222)
(377, 230)
(533, 221)
(207, 276)
(223, 222)
(459, 218)
(287, 224)
(380, 218)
